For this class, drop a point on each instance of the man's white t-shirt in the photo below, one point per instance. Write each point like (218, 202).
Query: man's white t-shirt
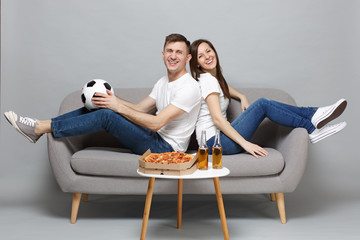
(209, 84)
(183, 93)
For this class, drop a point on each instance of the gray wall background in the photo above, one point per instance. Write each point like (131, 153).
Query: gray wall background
(309, 48)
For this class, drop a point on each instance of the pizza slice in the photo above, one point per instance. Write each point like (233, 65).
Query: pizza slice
(169, 157)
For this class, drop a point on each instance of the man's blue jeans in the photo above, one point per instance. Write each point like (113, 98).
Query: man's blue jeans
(247, 123)
(134, 137)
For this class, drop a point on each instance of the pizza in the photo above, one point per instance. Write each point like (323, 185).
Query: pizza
(169, 157)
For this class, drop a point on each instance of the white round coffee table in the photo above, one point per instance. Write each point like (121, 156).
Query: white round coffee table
(198, 174)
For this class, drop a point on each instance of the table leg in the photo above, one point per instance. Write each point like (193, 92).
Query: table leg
(179, 203)
(221, 208)
(147, 207)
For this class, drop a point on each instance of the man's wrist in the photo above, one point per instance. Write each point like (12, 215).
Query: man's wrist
(120, 108)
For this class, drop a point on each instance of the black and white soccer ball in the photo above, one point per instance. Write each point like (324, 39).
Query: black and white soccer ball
(92, 87)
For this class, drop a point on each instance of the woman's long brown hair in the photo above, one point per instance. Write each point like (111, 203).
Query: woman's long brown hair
(196, 70)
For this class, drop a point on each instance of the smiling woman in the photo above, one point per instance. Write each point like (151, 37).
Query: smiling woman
(216, 95)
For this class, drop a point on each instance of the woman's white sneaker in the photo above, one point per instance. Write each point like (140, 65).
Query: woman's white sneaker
(326, 114)
(24, 125)
(320, 134)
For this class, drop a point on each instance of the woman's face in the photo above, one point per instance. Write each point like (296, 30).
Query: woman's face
(206, 58)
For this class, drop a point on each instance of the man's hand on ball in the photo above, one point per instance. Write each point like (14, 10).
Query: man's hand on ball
(102, 100)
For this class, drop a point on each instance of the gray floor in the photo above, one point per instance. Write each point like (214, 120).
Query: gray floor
(314, 211)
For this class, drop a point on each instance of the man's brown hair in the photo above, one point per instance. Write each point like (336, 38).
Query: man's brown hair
(175, 37)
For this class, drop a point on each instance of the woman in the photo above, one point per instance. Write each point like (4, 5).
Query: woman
(235, 136)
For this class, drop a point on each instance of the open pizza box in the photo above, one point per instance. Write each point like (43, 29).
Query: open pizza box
(177, 169)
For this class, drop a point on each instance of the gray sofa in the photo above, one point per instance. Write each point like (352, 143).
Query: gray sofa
(97, 163)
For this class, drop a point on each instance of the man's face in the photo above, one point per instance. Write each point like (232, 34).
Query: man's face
(176, 57)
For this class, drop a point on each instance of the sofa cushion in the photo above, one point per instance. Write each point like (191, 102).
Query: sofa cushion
(245, 165)
(102, 161)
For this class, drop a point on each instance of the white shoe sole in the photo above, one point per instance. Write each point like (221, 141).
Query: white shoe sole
(339, 108)
(12, 118)
(328, 133)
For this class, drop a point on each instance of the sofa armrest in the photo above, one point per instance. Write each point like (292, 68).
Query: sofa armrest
(294, 148)
(59, 156)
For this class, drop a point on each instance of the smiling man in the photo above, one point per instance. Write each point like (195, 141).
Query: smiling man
(176, 97)
(176, 55)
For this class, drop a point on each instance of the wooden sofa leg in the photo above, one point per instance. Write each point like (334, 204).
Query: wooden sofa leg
(281, 206)
(75, 206)
(272, 197)
(85, 197)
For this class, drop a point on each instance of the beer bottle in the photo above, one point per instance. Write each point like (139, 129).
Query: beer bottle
(203, 152)
(217, 151)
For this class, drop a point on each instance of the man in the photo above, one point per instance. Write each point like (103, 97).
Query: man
(176, 97)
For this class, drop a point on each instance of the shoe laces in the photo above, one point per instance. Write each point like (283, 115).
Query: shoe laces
(325, 128)
(324, 109)
(28, 121)
(330, 126)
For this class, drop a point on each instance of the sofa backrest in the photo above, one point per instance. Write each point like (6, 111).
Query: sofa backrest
(263, 136)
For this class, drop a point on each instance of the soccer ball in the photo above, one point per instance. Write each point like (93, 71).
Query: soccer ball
(92, 87)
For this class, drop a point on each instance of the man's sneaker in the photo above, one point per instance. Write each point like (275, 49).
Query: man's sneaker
(23, 125)
(320, 134)
(326, 114)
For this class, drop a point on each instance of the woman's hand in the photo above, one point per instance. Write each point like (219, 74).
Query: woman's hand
(254, 149)
(237, 95)
(244, 103)
(109, 101)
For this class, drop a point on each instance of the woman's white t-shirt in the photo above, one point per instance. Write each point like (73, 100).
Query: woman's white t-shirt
(183, 93)
(209, 84)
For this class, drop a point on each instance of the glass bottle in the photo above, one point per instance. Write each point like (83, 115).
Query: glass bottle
(203, 152)
(217, 152)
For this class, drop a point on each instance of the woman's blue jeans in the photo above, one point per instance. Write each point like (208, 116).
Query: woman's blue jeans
(134, 137)
(247, 123)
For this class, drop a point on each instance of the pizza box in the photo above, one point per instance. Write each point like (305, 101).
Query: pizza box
(164, 166)
(169, 172)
